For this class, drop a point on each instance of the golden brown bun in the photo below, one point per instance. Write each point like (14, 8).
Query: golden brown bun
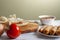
(30, 27)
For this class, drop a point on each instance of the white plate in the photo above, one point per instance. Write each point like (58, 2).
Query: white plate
(45, 34)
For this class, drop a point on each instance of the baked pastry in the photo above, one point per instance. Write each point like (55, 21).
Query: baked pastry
(47, 29)
(53, 30)
(3, 19)
(58, 30)
(50, 30)
(42, 28)
(14, 19)
(30, 27)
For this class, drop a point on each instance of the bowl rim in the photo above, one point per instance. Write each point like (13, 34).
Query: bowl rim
(41, 16)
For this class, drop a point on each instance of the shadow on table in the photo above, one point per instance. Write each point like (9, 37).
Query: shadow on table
(45, 37)
(4, 37)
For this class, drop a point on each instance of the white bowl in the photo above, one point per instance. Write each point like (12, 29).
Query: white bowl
(47, 21)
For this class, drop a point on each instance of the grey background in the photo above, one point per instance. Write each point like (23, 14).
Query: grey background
(30, 9)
